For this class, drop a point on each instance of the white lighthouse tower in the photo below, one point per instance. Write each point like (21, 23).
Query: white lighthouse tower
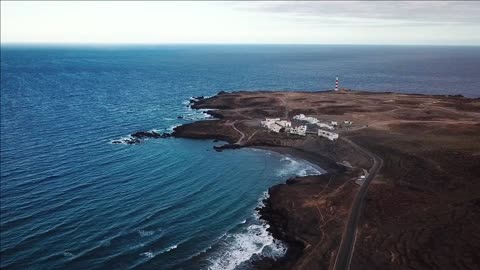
(336, 83)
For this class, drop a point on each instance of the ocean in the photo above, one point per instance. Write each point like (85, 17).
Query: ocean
(70, 199)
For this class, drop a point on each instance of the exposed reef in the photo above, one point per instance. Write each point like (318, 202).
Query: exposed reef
(139, 136)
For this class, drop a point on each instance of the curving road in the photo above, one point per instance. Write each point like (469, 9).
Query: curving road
(347, 245)
(239, 131)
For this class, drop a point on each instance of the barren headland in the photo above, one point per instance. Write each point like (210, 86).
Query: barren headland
(419, 207)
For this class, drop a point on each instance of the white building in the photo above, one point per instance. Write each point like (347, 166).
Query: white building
(275, 124)
(302, 117)
(322, 125)
(334, 123)
(347, 122)
(284, 123)
(275, 127)
(327, 134)
(268, 121)
(299, 116)
(299, 130)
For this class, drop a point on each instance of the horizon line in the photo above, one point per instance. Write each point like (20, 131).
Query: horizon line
(215, 43)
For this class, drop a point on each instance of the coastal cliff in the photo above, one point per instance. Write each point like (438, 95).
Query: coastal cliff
(428, 145)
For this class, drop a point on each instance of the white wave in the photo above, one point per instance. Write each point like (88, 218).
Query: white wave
(241, 246)
(170, 248)
(168, 119)
(197, 115)
(148, 254)
(293, 167)
(122, 140)
(260, 203)
(170, 129)
(206, 110)
(67, 254)
(144, 233)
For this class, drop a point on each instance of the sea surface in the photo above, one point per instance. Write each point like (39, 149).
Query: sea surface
(70, 199)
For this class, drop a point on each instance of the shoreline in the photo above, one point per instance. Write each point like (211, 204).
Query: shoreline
(275, 220)
(318, 216)
(264, 212)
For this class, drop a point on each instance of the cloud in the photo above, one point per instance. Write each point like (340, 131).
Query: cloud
(369, 12)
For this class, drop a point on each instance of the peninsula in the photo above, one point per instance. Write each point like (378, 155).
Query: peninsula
(402, 188)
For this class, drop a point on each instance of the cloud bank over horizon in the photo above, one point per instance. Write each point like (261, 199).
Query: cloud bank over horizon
(285, 22)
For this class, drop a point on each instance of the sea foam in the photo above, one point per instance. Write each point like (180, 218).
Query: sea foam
(253, 239)
(295, 167)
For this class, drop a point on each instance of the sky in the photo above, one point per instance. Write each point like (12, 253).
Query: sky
(322, 22)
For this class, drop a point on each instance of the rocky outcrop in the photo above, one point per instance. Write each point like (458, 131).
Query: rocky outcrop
(220, 148)
(210, 129)
(146, 134)
(139, 136)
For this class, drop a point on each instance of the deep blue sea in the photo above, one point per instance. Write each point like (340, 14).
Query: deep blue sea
(70, 199)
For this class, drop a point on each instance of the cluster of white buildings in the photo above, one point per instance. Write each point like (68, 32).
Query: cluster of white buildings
(322, 132)
(312, 120)
(309, 119)
(276, 125)
(324, 129)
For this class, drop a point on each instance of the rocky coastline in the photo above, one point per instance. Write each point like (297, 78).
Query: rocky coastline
(284, 222)
(428, 145)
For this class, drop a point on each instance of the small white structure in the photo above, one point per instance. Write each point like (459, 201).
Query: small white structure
(269, 121)
(327, 134)
(299, 130)
(284, 123)
(275, 124)
(299, 116)
(334, 123)
(347, 122)
(323, 125)
(309, 119)
(275, 127)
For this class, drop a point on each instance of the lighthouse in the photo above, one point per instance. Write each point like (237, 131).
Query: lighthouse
(336, 83)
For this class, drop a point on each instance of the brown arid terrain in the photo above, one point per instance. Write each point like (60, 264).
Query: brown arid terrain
(419, 207)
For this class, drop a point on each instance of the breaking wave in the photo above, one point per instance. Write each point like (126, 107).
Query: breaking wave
(240, 247)
(294, 167)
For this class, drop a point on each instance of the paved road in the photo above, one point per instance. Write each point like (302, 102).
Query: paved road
(347, 245)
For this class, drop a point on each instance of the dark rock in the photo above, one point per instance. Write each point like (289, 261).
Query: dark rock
(166, 135)
(132, 141)
(215, 114)
(146, 134)
(197, 98)
(227, 146)
(138, 137)
(222, 93)
(179, 117)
